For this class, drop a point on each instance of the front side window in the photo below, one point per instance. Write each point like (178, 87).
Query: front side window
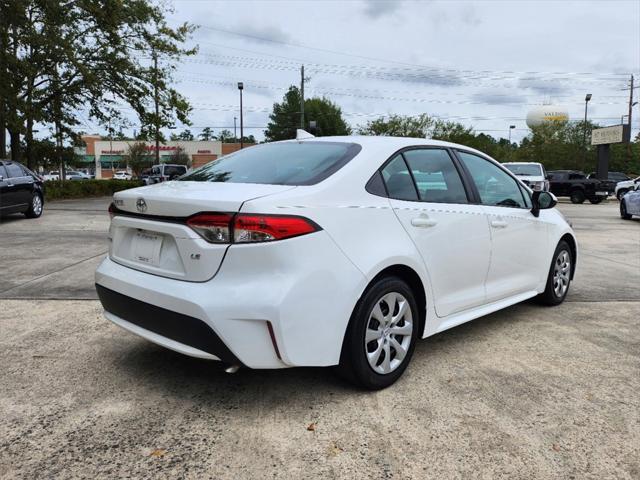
(14, 170)
(287, 163)
(495, 186)
(398, 180)
(3, 172)
(576, 176)
(435, 175)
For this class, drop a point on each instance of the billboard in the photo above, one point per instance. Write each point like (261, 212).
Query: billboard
(601, 136)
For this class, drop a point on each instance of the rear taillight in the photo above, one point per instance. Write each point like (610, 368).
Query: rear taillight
(111, 210)
(213, 227)
(265, 228)
(249, 228)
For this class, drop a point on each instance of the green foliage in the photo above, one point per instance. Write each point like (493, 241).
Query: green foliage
(138, 157)
(419, 126)
(207, 134)
(58, 189)
(285, 118)
(185, 136)
(179, 157)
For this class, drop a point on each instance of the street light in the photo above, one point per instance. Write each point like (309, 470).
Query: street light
(584, 133)
(511, 127)
(241, 87)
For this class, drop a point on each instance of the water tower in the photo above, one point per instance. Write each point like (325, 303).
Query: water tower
(546, 114)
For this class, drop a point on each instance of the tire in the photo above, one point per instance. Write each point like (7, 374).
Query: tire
(623, 211)
(365, 364)
(36, 206)
(621, 193)
(596, 200)
(559, 277)
(577, 196)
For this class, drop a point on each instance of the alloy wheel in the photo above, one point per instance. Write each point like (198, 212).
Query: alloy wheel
(388, 333)
(36, 205)
(561, 273)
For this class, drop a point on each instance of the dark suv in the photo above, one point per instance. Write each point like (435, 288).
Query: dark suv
(21, 190)
(575, 185)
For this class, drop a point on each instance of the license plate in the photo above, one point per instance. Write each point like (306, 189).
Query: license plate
(146, 247)
(603, 194)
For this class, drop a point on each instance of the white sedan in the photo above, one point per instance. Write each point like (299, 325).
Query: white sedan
(122, 175)
(330, 251)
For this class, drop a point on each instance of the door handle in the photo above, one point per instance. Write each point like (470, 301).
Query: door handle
(423, 221)
(499, 224)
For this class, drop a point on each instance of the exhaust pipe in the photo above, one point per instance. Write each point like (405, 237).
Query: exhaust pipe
(232, 369)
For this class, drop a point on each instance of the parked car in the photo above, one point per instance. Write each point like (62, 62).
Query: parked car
(76, 175)
(122, 175)
(575, 185)
(630, 203)
(531, 174)
(625, 186)
(53, 175)
(163, 172)
(333, 251)
(612, 180)
(21, 190)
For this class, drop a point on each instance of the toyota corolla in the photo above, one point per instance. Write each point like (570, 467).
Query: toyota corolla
(334, 251)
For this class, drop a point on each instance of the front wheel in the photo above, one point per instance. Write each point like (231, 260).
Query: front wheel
(381, 335)
(596, 200)
(559, 276)
(621, 193)
(623, 211)
(35, 208)
(577, 196)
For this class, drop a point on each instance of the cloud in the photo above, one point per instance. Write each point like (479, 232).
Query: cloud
(264, 34)
(497, 99)
(380, 8)
(544, 87)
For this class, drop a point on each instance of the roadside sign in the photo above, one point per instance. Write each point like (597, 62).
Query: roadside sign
(601, 136)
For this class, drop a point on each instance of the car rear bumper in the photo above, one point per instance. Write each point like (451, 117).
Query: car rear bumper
(283, 304)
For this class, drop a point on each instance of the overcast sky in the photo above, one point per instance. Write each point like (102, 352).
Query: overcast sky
(483, 63)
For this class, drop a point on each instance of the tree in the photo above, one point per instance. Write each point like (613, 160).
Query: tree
(138, 157)
(185, 136)
(399, 126)
(226, 136)
(285, 117)
(70, 54)
(207, 134)
(180, 157)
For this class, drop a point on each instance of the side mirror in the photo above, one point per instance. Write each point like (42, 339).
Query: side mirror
(542, 201)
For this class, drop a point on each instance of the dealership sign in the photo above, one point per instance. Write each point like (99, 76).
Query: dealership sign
(601, 136)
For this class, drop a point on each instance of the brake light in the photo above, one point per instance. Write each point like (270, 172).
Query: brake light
(249, 228)
(213, 227)
(111, 210)
(265, 228)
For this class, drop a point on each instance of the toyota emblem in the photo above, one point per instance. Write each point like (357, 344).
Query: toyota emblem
(141, 205)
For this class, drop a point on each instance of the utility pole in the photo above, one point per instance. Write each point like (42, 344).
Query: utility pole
(630, 123)
(156, 100)
(302, 97)
(235, 135)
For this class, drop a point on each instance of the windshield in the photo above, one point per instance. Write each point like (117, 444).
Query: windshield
(287, 163)
(528, 169)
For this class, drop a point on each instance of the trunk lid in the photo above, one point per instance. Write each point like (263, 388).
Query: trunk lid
(158, 241)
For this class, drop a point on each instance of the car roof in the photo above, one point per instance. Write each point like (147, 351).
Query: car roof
(521, 163)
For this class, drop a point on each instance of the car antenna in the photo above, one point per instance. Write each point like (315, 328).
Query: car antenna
(302, 134)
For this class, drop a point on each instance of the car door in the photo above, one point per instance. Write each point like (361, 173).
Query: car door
(8, 199)
(518, 239)
(429, 197)
(19, 183)
(632, 201)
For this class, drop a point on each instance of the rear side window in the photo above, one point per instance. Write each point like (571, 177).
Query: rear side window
(14, 170)
(290, 163)
(3, 172)
(169, 171)
(435, 175)
(576, 176)
(398, 180)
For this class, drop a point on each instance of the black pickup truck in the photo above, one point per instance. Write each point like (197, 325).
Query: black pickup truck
(575, 185)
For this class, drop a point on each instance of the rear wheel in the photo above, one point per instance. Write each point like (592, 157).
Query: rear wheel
(577, 196)
(35, 209)
(381, 335)
(559, 276)
(623, 211)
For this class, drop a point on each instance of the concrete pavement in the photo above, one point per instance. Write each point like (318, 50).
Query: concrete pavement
(528, 392)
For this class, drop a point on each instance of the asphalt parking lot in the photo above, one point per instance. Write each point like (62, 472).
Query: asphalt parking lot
(528, 392)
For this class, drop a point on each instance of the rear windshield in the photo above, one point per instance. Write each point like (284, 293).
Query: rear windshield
(528, 169)
(290, 163)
